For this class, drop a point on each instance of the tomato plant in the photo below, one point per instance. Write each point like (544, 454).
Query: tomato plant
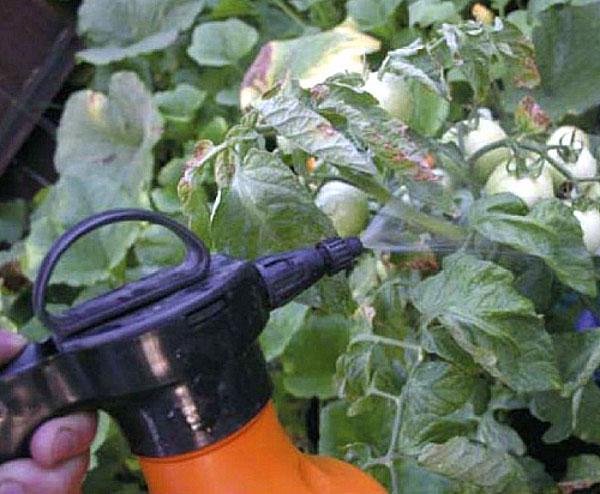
(462, 150)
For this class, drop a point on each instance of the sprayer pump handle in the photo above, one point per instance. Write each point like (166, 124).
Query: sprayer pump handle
(128, 297)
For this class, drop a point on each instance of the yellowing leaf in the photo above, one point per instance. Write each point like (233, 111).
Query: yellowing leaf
(311, 59)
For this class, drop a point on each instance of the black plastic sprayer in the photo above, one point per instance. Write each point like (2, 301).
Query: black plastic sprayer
(172, 357)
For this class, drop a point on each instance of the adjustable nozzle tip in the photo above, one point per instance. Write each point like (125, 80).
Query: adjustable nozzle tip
(340, 253)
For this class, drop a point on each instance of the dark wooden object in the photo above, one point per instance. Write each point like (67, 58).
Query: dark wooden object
(37, 46)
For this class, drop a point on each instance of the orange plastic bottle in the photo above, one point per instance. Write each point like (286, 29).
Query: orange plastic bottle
(257, 459)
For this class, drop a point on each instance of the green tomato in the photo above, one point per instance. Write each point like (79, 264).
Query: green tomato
(530, 189)
(583, 164)
(393, 93)
(487, 132)
(346, 206)
(590, 226)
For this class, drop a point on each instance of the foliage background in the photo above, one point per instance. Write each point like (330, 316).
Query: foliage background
(466, 378)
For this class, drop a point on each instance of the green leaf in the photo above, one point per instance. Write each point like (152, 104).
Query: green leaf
(549, 231)
(179, 107)
(414, 479)
(309, 131)
(283, 324)
(569, 416)
(472, 463)
(308, 373)
(222, 43)
(371, 14)
(340, 433)
(182, 102)
(233, 8)
(13, 220)
(562, 38)
(104, 157)
(266, 210)
(158, 247)
(303, 5)
(570, 410)
(118, 29)
(165, 196)
(499, 436)
(490, 320)
(427, 12)
(438, 402)
(311, 59)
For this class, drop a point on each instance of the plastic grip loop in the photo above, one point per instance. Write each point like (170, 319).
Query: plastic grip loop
(128, 297)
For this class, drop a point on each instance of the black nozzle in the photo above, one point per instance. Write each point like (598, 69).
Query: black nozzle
(288, 274)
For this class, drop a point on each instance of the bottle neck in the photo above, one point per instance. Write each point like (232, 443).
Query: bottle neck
(200, 411)
(257, 459)
(253, 457)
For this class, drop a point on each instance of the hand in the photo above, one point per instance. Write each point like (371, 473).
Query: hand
(59, 448)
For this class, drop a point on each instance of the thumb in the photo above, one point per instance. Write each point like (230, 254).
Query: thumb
(10, 345)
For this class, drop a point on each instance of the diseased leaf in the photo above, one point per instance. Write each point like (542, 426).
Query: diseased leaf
(475, 301)
(110, 134)
(311, 59)
(104, 157)
(549, 231)
(472, 463)
(222, 43)
(392, 143)
(562, 38)
(309, 131)
(583, 472)
(120, 29)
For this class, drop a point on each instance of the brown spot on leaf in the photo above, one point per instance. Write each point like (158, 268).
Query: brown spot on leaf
(326, 129)
(528, 76)
(318, 93)
(107, 160)
(196, 161)
(256, 80)
(530, 117)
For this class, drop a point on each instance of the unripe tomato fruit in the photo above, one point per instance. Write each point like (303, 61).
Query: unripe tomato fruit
(346, 206)
(584, 164)
(393, 93)
(529, 188)
(590, 226)
(487, 132)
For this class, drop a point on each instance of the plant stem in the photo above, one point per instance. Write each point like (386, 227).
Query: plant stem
(502, 143)
(373, 338)
(529, 146)
(287, 10)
